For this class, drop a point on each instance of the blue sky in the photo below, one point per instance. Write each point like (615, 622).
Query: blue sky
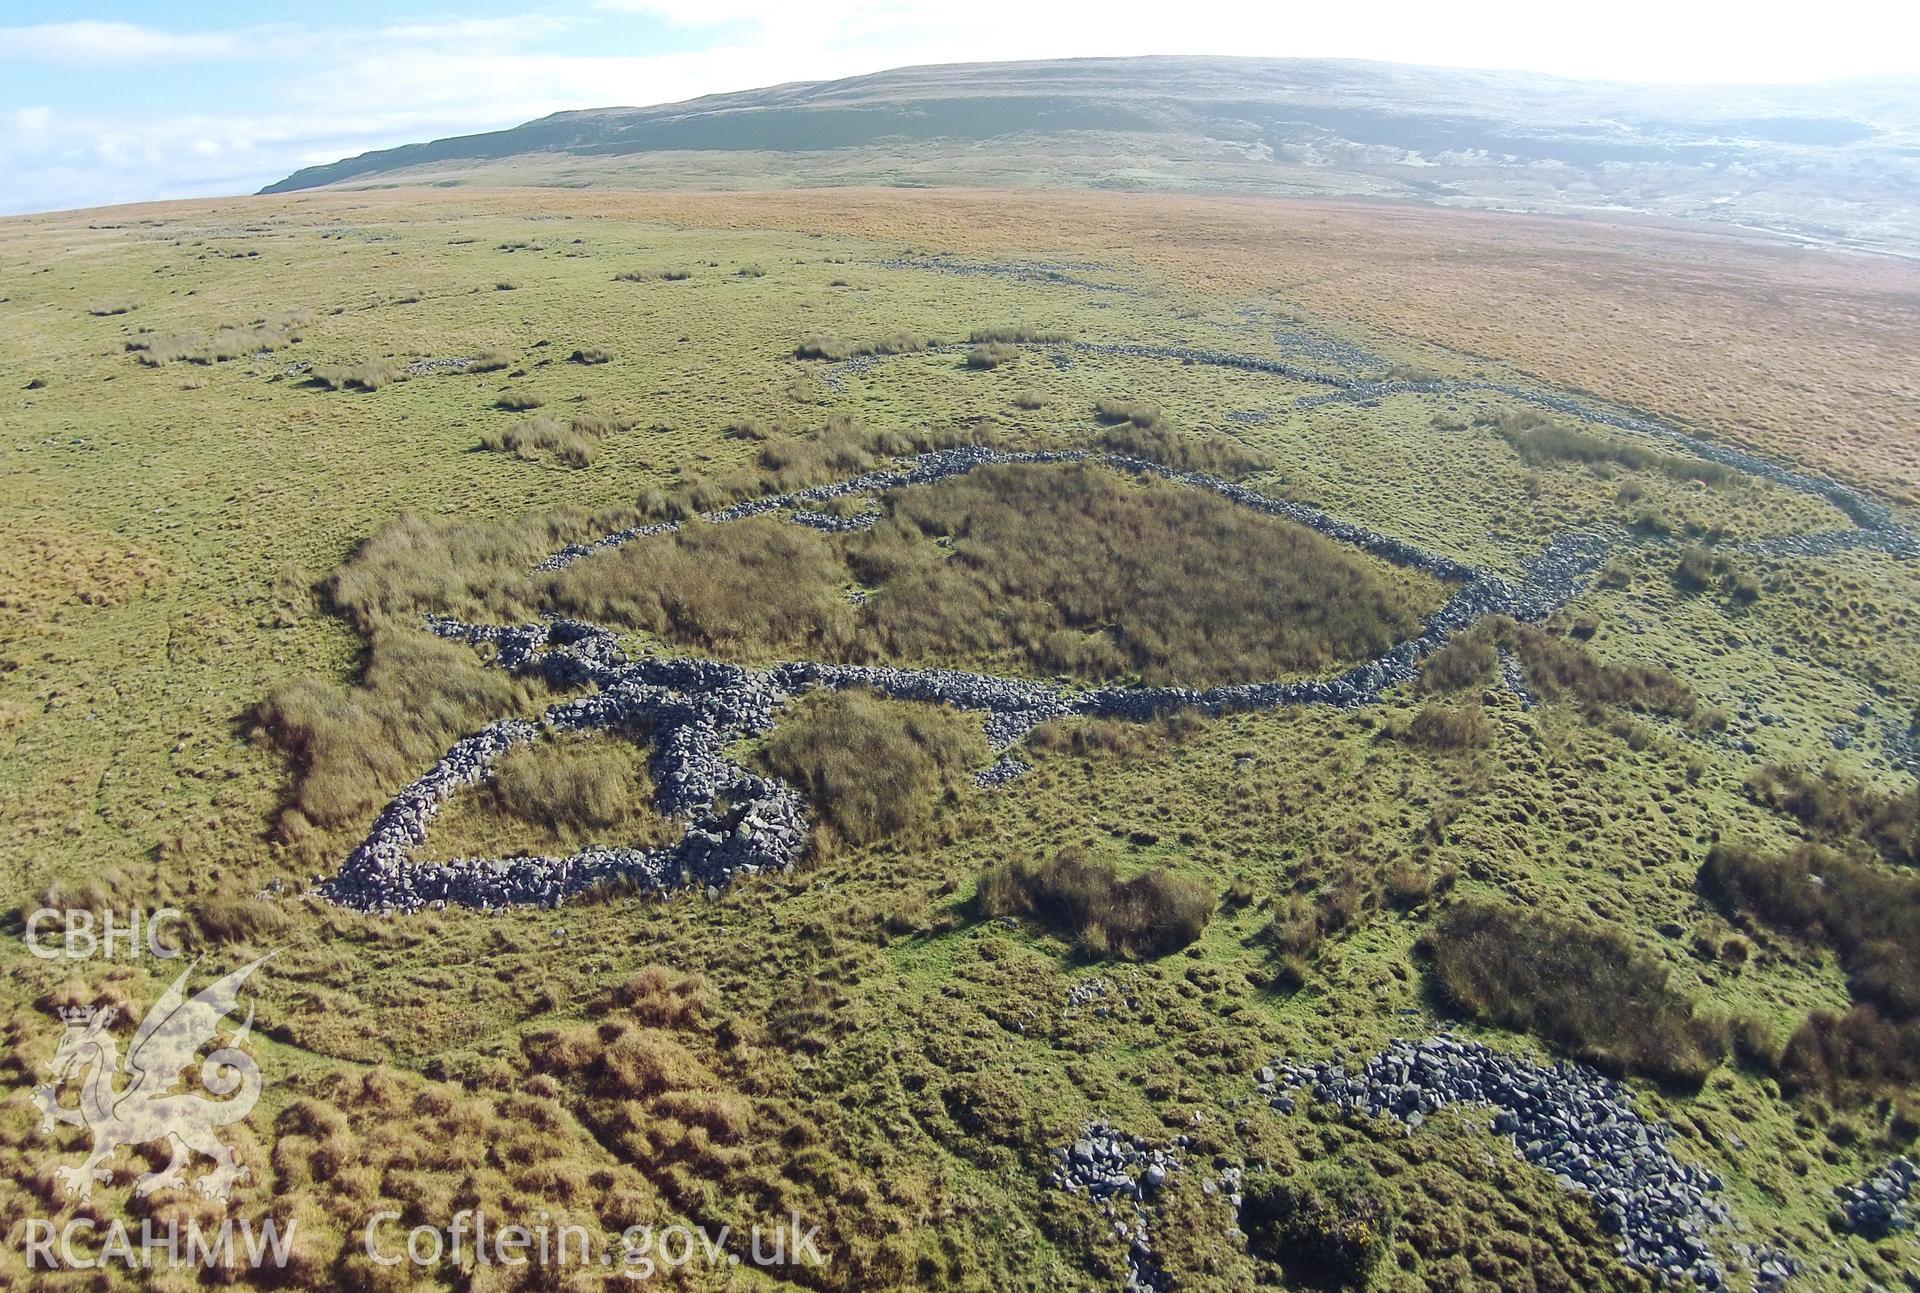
(116, 102)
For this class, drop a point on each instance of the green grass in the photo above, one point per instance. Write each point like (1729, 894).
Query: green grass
(859, 1044)
(1587, 989)
(873, 770)
(555, 798)
(1089, 904)
(1035, 568)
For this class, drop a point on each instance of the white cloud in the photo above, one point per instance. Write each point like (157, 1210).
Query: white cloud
(30, 122)
(113, 43)
(108, 44)
(472, 32)
(705, 13)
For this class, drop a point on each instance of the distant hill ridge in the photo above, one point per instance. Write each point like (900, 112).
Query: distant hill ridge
(1832, 163)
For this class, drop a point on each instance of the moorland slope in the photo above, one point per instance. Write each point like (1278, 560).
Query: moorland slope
(1266, 977)
(1824, 164)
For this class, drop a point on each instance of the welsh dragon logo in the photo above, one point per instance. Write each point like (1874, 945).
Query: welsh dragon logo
(148, 1108)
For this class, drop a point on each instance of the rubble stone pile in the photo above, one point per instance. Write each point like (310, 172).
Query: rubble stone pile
(1877, 1206)
(1121, 1173)
(1565, 1118)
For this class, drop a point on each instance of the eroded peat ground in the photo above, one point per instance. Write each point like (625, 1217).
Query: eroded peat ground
(1003, 907)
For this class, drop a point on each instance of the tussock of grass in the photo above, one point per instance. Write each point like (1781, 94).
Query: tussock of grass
(1087, 902)
(1212, 453)
(1871, 918)
(1448, 727)
(1088, 737)
(741, 588)
(369, 376)
(556, 797)
(226, 918)
(1857, 1056)
(1832, 803)
(519, 401)
(1560, 669)
(671, 275)
(823, 347)
(993, 354)
(1114, 410)
(819, 346)
(1868, 914)
(1542, 441)
(574, 443)
(871, 768)
(787, 462)
(229, 341)
(1297, 929)
(352, 747)
(1466, 661)
(471, 569)
(1586, 989)
(1701, 570)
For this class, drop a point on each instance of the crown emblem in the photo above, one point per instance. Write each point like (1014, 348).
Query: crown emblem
(147, 1109)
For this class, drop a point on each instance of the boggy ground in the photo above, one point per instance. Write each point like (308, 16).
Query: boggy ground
(854, 1042)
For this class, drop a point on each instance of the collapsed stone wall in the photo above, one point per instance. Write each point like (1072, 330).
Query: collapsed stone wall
(690, 710)
(1565, 1118)
(693, 708)
(1122, 1174)
(738, 823)
(1867, 512)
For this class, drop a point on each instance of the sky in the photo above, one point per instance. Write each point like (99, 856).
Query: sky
(103, 103)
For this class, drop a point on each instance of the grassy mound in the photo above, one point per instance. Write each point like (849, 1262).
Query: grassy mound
(1558, 668)
(1870, 917)
(353, 746)
(744, 588)
(1146, 915)
(1585, 989)
(871, 768)
(1043, 570)
(555, 798)
(1077, 570)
